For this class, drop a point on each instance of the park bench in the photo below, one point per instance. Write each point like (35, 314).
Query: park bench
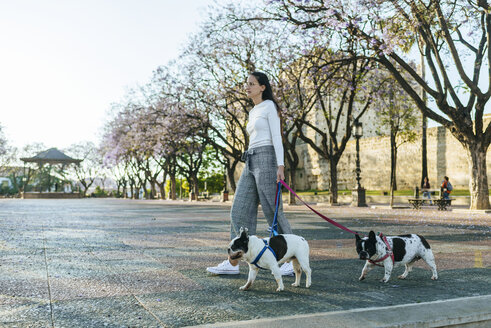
(443, 203)
(204, 195)
(440, 202)
(417, 202)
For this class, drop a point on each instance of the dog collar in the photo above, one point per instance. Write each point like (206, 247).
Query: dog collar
(258, 257)
(389, 252)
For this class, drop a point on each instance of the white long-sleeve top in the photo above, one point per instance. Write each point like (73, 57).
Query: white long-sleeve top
(264, 128)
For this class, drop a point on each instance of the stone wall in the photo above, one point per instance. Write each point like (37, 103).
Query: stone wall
(446, 156)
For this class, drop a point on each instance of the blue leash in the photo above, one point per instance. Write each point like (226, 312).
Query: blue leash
(273, 230)
(274, 227)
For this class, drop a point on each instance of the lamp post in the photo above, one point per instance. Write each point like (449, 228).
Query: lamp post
(359, 192)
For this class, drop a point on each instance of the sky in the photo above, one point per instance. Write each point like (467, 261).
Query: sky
(63, 62)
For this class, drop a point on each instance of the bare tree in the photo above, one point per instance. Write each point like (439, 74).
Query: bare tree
(90, 167)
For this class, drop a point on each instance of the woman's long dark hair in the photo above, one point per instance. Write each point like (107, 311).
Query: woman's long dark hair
(262, 79)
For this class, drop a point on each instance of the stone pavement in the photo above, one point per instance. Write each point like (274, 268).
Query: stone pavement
(124, 263)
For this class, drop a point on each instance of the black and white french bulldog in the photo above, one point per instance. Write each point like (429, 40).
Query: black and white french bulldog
(287, 247)
(406, 249)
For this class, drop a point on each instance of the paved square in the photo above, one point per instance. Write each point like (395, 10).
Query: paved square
(124, 263)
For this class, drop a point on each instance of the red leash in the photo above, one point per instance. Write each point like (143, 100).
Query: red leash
(340, 226)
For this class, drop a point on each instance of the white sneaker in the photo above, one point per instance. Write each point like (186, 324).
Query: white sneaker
(287, 269)
(224, 268)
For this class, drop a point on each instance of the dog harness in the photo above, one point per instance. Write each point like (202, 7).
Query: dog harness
(389, 252)
(258, 257)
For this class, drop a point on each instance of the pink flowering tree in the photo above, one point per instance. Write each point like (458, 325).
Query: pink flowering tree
(325, 90)
(453, 37)
(328, 91)
(120, 144)
(214, 67)
(183, 125)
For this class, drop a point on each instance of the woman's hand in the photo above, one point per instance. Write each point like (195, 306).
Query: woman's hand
(280, 174)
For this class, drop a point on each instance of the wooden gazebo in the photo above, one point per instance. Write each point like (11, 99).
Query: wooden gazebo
(50, 157)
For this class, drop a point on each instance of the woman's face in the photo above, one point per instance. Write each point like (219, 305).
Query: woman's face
(253, 88)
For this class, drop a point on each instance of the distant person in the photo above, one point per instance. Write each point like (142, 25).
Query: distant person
(446, 188)
(264, 168)
(425, 187)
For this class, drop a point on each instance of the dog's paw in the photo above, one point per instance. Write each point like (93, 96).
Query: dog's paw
(384, 280)
(361, 278)
(245, 287)
(295, 284)
(434, 278)
(307, 285)
(401, 277)
(279, 289)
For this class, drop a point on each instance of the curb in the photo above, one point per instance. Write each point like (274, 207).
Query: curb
(465, 311)
(467, 211)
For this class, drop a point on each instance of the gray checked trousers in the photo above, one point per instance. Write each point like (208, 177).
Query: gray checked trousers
(257, 185)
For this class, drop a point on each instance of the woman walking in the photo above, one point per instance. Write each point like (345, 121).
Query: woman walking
(264, 167)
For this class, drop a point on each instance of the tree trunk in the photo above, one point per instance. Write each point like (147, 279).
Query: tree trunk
(424, 123)
(195, 186)
(333, 183)
(230, 175)
(138, 190)
(162, 185)
(393, 161)
(291, 182)
(393, 170)
(145, 190)
(153, 190)
(478, 183)
(132, 190)
(124, 187)
(162, 189)
(393, 166)
(424, 158)
(172, 189)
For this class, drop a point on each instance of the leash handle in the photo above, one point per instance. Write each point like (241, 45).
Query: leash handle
(340, 226)
(274, 226)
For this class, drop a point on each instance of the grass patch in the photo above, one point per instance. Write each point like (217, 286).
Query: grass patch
(404, 192)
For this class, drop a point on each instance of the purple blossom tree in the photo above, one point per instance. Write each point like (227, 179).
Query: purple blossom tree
(454, 38)
(213, 70)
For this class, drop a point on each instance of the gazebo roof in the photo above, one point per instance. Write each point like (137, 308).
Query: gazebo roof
(51, 156)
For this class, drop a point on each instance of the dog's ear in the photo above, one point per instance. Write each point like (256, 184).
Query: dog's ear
(357, 237)
(243, 232)
(371, 235)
